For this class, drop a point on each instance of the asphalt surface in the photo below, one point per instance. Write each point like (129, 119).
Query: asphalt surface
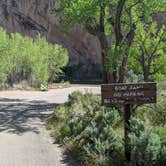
(24, 141)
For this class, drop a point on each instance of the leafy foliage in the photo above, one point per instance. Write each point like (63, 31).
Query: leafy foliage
(116, 19)
(23, 59)
(79, 11)
(148, 52)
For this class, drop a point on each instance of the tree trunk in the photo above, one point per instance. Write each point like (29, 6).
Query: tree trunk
(122, 70)
(108, 77)
(129, 38)
(104, 68)
(146, 73)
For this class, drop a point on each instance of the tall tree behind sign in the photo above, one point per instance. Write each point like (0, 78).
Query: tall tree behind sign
(116, 19)
(148, 56)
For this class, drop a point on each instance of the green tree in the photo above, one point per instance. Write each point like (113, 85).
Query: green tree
(148, 52)
(117, 19)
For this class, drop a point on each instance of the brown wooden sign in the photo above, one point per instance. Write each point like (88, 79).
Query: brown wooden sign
(140, 93)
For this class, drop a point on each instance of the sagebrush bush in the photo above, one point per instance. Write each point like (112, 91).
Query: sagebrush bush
(146, 146)
(88, 129)
(91, 132)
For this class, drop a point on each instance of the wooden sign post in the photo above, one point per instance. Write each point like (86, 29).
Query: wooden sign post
(128, 95)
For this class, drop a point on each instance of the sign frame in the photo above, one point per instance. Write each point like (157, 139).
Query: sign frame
(128, 93)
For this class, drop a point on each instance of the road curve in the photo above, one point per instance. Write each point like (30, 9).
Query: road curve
(24, 141)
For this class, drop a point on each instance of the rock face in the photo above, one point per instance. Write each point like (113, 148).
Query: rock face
(30, 17)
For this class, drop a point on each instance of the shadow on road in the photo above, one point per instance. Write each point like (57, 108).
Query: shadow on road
(18, 116)
(21, 116)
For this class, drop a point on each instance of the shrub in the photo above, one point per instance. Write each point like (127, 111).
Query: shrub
(146, 146)
(88, 129)
(91, 132)
(34, 61)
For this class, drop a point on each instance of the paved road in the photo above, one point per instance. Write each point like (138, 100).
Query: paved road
(24, 140)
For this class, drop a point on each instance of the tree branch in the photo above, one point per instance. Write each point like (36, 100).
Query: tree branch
(156, 47)
(130, 35)
(102, 16)
(118, 31)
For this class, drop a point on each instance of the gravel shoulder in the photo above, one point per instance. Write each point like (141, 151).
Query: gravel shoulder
(24, 141)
